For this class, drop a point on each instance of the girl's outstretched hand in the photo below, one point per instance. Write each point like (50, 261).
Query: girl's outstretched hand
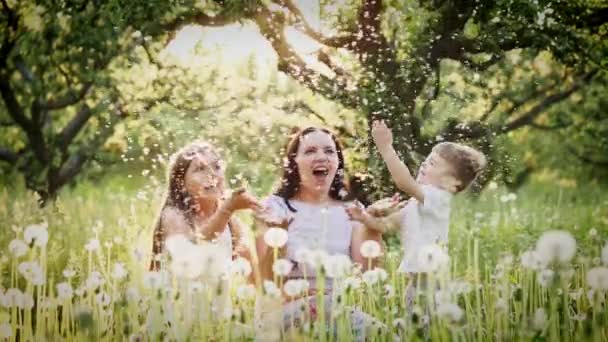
(242, 199)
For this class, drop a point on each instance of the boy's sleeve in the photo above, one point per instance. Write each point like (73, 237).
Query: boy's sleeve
(436, 201)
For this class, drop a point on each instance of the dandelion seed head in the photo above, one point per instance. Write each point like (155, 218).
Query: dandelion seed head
(597, 278)
(18, 248)
(275, 237)
(370, 249)
(36, 234)
(556, 246)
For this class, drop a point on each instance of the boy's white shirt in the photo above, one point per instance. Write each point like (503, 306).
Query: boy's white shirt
(424, 224)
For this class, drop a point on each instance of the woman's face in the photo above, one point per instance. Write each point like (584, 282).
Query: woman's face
(205, 176)
(317, 161)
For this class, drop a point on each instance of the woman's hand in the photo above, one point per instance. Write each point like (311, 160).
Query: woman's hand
(265, 216)
(381, 134)
(357, 212)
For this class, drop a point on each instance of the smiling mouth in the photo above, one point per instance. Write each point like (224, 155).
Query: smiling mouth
(320, 171)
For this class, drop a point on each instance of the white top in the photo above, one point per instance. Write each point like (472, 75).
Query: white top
(424, 224)
(324, 227)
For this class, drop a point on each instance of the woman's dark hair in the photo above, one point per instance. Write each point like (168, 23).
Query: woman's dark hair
(290, 180)
(176, 196)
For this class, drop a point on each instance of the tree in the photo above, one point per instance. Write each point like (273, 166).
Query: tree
(401, 49)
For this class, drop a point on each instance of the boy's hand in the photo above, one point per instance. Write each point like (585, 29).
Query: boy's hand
(381, 134)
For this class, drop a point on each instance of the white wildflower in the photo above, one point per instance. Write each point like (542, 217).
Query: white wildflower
(303, 255)
(32, 272)
(389, 291)
(371, 277)
(597, 278)
(18, 248)
(450, 311)
(155, 280)
(351, 283)
(119, 271)
(592, 233)
(132, 295)
(529, 259)
(103, 299)
(282, 267)
(399, 324)
(294, 287)
(245, 292)
(337, 266)
(94, 280)
(6, 331)
(556, 246)
(370, 249)
(432, 258)
(64, 291)
(540, 319)
(275, 237)
(271, 289)
(501, 305)
(36, 234)
(605, 255)
(69, 273)
(545, 277)
(240, 267)
(93, 245)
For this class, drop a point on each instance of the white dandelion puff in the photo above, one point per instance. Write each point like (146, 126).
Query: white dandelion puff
(545, 277)
(275, 237)
(370, 249)
(556, 246)
(32, 272)
(64, 291)
(282, 267)
(240, 266)
(597, 278)
(119, 272)
(295, 287)
(271, 289)
(337, 266)
(540, 319)
(529, 259)
(18, 248)
(450, 311)
(6, 331)
(92, 246)
(605, 255)
(432, 258)
(36, 234)
(245, 292)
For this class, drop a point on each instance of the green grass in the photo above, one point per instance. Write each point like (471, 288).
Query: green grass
(500, 303)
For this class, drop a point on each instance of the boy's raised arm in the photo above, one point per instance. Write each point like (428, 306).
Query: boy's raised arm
(383, 138)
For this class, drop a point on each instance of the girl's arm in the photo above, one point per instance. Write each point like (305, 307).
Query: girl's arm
(217, 222)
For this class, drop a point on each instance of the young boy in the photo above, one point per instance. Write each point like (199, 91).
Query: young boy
(424, 221)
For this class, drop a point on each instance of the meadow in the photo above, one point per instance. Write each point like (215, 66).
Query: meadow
(524, 266)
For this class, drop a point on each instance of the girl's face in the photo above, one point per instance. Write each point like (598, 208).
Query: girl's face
(317, 161)
(205, 176)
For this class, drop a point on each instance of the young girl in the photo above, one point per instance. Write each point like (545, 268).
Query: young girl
(195, 205)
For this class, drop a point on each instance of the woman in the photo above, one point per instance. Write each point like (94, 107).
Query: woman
(311, 205)
(195, 205)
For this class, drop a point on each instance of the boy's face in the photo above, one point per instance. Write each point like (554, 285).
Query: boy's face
(437, 171)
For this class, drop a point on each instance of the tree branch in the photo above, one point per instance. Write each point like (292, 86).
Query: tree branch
(304, 27)
(550, 100)
(69, 99)
(69, 132)
(272, 26)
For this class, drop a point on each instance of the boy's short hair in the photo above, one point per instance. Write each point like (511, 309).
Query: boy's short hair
(466, 161)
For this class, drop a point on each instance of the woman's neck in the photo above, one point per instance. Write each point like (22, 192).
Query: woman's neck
(312, 197)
